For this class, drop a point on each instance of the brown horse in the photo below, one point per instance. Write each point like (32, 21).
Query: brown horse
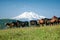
(54, 20)
(41, 22)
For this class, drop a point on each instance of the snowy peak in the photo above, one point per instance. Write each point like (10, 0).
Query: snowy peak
(29, 16)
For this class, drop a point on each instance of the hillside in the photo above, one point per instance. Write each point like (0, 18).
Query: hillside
(31, 33)
(3, 21)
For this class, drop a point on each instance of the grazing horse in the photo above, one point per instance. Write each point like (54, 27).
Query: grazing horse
(14, 24)
(18, 23)
(26, 23)
(58, 20)
(41, 22)
(22, 24)
(54, 20)
(9, 25)
(47, 21)
(33, 22)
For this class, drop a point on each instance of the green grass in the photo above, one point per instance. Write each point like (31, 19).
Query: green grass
(31, 33)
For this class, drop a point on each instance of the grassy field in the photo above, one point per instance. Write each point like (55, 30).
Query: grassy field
(31, 33)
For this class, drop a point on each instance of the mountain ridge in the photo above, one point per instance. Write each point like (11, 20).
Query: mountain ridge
(28, 16)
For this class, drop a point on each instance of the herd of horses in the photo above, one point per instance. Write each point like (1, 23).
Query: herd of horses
(40, 22)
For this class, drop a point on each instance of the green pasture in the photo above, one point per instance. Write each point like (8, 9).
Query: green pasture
(31, 33)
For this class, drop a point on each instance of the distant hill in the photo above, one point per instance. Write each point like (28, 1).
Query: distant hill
(3, 21)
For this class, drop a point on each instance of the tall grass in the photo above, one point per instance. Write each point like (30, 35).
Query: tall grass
(31, 33)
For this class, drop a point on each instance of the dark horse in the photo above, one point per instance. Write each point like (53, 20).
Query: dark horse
(58, 20)
(17, 24)
(9, 25)
(33, 22)
(13, 24)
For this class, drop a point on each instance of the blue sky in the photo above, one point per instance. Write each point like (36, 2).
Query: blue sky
(12, 8)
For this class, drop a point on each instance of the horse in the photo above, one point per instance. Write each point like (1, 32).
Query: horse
(26, 23)
(14, 24)
(47, 21)
(9, 25)
(54, 20)
(58, 20)
(41, 22)
(33, 22)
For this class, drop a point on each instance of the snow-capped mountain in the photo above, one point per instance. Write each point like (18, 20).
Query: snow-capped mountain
(28, 16)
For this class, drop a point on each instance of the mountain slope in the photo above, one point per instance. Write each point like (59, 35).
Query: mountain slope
(29, 16)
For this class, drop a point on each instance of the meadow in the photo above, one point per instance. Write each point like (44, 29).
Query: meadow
(31, 33)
